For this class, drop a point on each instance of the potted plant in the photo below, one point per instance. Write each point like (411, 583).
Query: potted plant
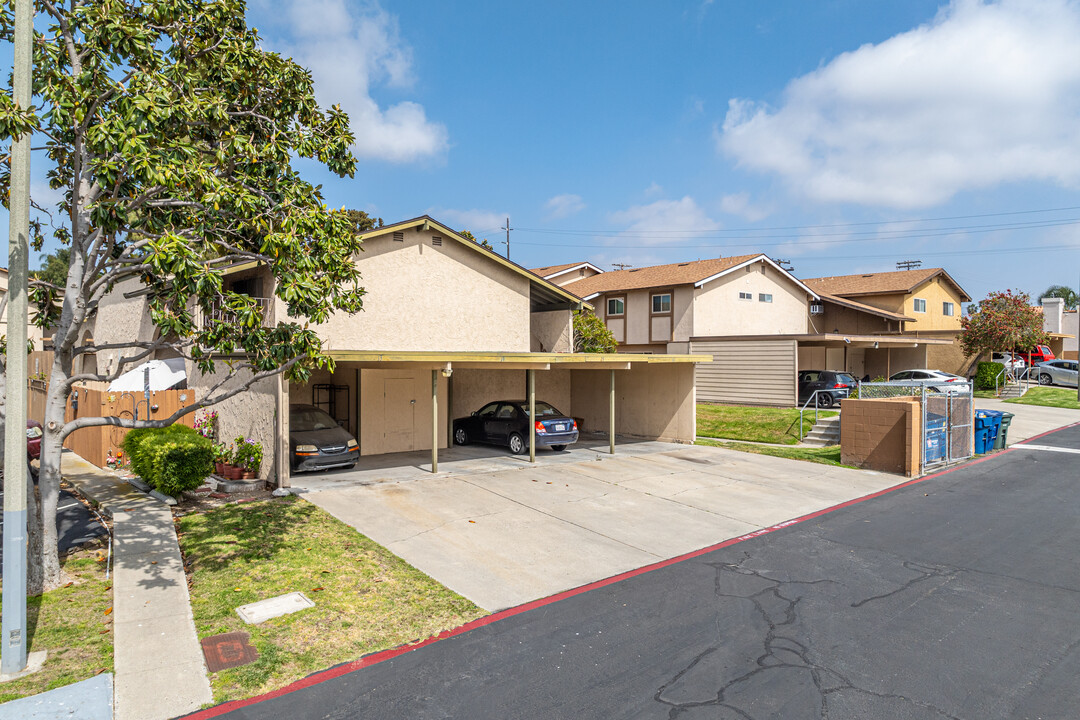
(221, 458)
(248, 458)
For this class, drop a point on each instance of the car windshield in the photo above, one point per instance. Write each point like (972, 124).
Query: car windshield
(308, 419)
(543, 410)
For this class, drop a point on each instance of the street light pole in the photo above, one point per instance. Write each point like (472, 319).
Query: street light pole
(13, 620)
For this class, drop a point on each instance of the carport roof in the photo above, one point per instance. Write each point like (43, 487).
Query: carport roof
(508, 360)
(838, 339)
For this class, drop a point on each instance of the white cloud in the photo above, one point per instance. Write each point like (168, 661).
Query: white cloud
(671, 220)
(987, 93)
(475, 221)
(739, 204)
(654, 190)
(350, 52)
(565, 205)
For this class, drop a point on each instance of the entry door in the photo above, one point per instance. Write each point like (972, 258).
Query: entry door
(399, 410)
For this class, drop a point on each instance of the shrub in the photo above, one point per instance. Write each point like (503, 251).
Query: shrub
(170, 459)
(986, 374)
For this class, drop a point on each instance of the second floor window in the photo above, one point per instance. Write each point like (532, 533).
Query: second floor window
(947, 308)
(661, 303)
(920, 305)
(764, 297)
(746, 296)
(615, 306)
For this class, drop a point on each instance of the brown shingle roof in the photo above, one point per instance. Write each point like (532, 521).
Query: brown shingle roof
(553, 269)
(655, 276)
(883, 283)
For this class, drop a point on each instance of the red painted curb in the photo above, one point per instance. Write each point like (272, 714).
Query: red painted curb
(385, 655)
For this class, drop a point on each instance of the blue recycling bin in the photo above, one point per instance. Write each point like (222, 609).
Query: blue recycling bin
(935, 438)
(987, 426)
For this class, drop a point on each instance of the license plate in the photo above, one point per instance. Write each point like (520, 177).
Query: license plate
(559, 427)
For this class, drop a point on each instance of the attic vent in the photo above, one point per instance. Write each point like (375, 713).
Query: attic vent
(399, 237)
(436, 240)
(634, 269)
(683, 264)
(868, 276)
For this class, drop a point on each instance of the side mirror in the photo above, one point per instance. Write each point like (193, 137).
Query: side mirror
(474, 413)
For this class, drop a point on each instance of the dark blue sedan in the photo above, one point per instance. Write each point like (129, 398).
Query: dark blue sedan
(506, 422)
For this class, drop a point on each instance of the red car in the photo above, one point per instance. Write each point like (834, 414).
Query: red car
(33, 439)
(1036, 355)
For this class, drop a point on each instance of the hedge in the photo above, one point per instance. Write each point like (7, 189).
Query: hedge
(170, 459)
(987, 374)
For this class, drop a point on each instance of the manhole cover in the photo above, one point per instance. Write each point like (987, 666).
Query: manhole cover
(228, 651)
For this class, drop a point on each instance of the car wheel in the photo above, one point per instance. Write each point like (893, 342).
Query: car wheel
(558, 448)
(517, 445)
(825, 401)
(1045, 379)
(461, 437)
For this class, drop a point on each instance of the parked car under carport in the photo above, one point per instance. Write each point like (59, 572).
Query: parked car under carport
(506, 422)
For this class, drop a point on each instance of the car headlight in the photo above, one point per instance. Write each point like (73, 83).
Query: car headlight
(351, 444)
(306, 448)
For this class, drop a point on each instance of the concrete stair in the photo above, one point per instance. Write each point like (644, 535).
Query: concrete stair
(825, 432)
(1012, 391)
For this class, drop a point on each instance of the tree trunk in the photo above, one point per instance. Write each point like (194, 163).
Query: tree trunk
(49, 474)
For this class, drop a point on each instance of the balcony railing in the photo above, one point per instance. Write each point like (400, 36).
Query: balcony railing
(219, 313)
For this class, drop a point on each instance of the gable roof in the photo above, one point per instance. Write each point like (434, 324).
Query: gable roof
(695, 273)
(552, 270)
(541, 291)
(883, 283)
(844, 302)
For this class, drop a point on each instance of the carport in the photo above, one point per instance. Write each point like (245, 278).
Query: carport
(406, 401)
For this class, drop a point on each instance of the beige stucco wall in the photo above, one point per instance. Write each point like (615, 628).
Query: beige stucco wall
(653, 402)
(435, 298)
(475, 388)
(119, 319)
(251, 414)
(935, 292)
(552, 331)
(640, 328)
(718, 310)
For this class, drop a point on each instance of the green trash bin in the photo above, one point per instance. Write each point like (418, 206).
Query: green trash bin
(1003, 435)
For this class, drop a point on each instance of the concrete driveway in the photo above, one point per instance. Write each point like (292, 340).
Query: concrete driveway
(505, 536)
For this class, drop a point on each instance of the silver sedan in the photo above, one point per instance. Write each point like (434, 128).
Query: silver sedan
(1056, 372)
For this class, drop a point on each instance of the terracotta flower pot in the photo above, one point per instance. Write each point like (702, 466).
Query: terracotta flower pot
(219, 468)
(248, 475)
(232, 472)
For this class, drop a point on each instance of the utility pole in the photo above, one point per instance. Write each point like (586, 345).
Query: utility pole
(784, 264)
(507, 229)
(621, 266)
(13, 621)
(908, 264)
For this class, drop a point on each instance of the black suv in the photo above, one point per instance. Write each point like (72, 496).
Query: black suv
(833, 385)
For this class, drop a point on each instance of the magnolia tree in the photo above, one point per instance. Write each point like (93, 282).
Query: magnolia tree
(170, 134)
(1003, 321)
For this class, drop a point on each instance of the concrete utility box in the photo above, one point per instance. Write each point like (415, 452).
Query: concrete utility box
(882, 434)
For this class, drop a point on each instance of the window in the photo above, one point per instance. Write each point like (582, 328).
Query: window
(764, 297)
(616, 306)
(947, 308)
(746, 296)
(661, 303)
(920, 305)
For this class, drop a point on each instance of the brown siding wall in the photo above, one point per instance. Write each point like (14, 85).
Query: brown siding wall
(747, 372)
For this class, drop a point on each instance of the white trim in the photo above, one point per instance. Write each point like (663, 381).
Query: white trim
(596, 294)
(572, 269)
(759, 258)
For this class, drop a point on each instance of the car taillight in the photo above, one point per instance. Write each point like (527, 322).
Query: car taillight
(575, 424)
(540, 427)
(951, 380)
(839, 385)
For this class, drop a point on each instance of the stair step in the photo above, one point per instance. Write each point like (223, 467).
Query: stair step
(819, 442)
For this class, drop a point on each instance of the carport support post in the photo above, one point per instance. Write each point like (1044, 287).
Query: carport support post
(611, 415)
(434, 421)
(532, 414)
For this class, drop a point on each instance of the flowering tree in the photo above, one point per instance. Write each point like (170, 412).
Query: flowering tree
(1003, 321)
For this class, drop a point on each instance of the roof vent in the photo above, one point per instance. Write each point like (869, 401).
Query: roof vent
(436, 240)
(634, 269)
(868, 276)
(399, 237)
(683, 264)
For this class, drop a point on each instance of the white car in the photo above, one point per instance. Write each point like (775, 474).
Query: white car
(943, 381)
(1012, 361)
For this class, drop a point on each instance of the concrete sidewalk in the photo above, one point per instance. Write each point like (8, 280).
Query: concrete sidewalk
(158, 662)
(507, 537)
(1030, 420)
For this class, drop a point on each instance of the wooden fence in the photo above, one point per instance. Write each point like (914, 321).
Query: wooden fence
(95, 443)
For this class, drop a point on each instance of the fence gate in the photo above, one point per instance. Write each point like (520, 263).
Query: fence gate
(947, 416)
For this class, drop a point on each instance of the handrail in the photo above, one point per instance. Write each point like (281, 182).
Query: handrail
(812, 398)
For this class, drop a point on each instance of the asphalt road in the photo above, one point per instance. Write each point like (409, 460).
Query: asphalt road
(74, 522)
(955, 597)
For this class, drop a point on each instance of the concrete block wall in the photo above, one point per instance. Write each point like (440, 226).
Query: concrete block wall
(882, 434)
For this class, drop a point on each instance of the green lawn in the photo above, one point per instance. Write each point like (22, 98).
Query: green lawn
(1048, 397)
(74, 624)
(825, 455)
(985, 394)
(753, 424)
(366, 599)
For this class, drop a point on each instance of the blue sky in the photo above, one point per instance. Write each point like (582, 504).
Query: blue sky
(643, 132)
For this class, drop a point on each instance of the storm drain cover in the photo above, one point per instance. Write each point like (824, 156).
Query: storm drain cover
(228, 651)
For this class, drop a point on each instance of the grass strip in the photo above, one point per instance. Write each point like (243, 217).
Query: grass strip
(754, 424)
(825, 455)
(73, 623)
(366, 598)
(1048, 397)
